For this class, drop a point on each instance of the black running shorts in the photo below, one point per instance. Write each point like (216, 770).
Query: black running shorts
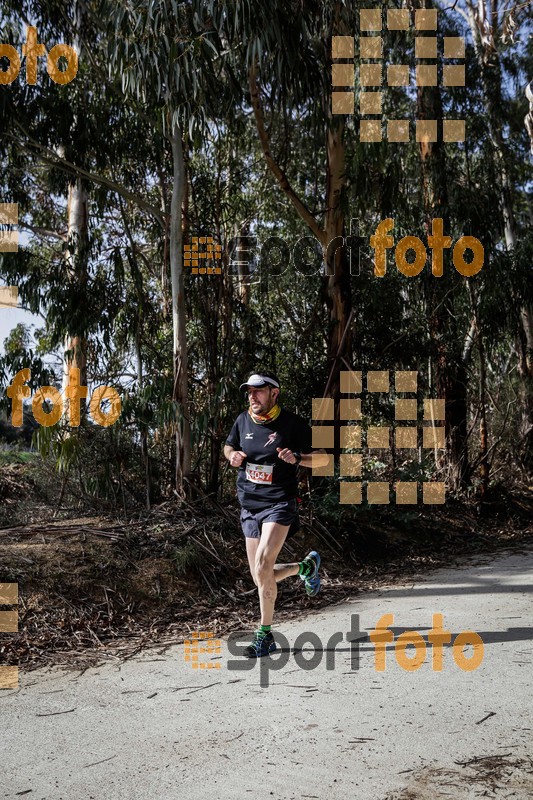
(285, 512)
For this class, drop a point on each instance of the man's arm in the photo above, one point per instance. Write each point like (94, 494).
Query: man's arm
(316, 458)
(235, 457)
(303, 438)
(233, 454)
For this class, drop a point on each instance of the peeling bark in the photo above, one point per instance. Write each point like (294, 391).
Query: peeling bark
(76, 258)
(180, 392)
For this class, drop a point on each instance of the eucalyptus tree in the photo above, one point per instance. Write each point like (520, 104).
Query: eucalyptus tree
(528, 120)
(444, 324)
(48, 143)
(496, 27)
(282, 51)
(174, 71)
(50, 116)
(70, 152)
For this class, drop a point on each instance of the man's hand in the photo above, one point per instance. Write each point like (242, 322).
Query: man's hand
(287, 455)
(237, 457)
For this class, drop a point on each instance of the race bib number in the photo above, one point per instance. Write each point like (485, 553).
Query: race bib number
(259, 473)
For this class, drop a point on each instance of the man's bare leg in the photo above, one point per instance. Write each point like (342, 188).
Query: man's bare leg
(281, 571)
(272, 539)
(251, 552)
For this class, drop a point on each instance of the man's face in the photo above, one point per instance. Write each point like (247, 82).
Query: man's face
(262, 400)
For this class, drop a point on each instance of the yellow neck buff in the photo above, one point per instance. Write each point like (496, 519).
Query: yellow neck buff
(273, 414)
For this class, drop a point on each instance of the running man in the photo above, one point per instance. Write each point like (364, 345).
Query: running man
(266, 444)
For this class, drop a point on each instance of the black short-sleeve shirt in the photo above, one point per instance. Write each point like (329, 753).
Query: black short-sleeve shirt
(264, 479)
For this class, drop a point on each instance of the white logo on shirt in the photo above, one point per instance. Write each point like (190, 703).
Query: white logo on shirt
(249, 436)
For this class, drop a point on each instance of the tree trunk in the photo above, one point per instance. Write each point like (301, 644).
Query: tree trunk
(241, 257)
(449, 371)
(489, 62)
(143, 428)
(77, 252)
(484, 466)
(165, 305)
(180, 395)
(337, 288)
(76, 259)
(528, 121)
(483, 431)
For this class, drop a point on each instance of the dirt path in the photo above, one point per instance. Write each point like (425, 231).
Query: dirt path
(155, 727)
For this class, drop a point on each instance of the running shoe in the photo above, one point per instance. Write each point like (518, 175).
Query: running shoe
(312, 581)
(262, 645)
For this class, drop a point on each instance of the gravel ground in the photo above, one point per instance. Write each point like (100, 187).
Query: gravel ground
(155, 727)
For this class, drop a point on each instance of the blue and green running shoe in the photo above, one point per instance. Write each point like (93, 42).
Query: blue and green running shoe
(311, 577)
(262, 645)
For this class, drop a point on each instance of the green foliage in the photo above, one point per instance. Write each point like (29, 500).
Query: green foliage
(187, 559)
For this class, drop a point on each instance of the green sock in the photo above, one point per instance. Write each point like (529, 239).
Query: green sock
(305, 568)
(264, 629)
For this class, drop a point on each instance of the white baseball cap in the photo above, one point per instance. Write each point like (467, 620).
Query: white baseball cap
(259, 381)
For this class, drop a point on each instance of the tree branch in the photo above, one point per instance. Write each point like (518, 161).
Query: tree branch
(274, 167)
(44, 232)
(50, 157)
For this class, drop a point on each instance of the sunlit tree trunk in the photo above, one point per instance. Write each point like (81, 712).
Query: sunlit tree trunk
(180, 395)
(77, 253)
(76, 259)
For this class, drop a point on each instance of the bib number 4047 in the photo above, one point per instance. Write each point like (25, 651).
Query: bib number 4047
(259, 473)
